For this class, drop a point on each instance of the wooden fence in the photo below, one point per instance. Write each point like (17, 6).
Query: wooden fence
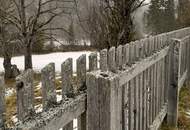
(131, 87)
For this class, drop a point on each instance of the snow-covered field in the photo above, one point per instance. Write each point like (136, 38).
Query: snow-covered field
(40, 61)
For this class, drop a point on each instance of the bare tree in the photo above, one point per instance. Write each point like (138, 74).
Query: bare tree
(7, 39)
(110, 22)
(32, 18)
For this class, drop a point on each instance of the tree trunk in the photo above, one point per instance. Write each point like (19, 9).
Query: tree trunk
(28, 57)
(7, 66)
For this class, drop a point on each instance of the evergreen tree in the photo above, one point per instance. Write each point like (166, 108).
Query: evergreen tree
(184, 13)
(161, 16)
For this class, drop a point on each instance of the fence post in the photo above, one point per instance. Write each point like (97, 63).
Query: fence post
(103, 102)
(48, 86)
(93, 60)
(104, 60)
(188, 60)
(67, 74)
(25, 94)
(2, 103)
(112, 59)
(173, 93)
(81, 72)
(67, 88)
(81, 76)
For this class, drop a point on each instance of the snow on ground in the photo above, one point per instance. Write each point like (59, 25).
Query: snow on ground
(188, 113)
(39, 61)
(9, 91)
(61, 42)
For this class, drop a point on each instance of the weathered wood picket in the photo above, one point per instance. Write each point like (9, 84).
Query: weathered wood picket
(131, 87)
(179, 74)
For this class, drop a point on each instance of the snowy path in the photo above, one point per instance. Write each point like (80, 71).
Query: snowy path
(39, 61)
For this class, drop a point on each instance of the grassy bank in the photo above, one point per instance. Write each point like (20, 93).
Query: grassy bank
(184, 106)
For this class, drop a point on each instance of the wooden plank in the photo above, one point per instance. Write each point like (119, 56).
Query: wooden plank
(93, 62)
(134, 52)
(126, 106)
(151, 96)
(69, 126)
(141, 66)
(104, 60)
(48, 86)
(182, 80)
(188, 62)
(159, 43)
(184, 38)
(153, 91)
(149, 46)
(141, 97)
(141, 49)
(159, 118)
(137, 48)
(125, 55)
(92, 102)
(156, 42)
(144, 121)
(172, 114)
(159, 86)
(81, 121)
(25, 94)
(146, 47)
(119, 57)
(104, 103)
(162, 82)
(131, 54)
(111, 59)
(119, 105)
(2, 103)
(67, 88)
(136, 103)
(131, 104)
(185, 56)
(148, 97)
(164, 39)
(180, 59)
(66, 76)
(110, 117)
(156, 90)
(81, 73)
(166, 64)
(57, 117)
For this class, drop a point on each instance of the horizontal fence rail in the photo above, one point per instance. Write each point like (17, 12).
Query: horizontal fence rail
(129, 87)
